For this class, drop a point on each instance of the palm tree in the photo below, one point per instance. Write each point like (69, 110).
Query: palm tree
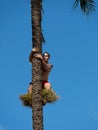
(87, 6)
(37, 39)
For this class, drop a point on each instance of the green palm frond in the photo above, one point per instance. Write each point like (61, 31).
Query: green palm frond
(87, 6)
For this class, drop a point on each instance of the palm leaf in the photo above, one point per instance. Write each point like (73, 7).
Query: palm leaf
(87, 6)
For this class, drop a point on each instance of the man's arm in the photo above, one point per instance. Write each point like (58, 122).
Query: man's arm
(34, 50)
(46, 66)
(31, 57)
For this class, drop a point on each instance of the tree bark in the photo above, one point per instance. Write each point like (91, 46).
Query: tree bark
(37, 39)
(37, 108)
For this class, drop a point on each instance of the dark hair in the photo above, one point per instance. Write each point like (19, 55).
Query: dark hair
(46, 53)
(30, 83)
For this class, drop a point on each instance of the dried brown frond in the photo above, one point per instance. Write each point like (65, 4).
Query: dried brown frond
(48, 96)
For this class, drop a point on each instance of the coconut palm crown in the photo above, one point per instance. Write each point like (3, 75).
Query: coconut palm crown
(87, 6)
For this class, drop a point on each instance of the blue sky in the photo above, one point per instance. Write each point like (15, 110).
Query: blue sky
(72, 40)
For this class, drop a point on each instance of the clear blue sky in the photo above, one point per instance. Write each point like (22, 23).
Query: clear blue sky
(72, 40)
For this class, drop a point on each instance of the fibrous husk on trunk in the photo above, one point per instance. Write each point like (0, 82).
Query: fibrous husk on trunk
(48, 96)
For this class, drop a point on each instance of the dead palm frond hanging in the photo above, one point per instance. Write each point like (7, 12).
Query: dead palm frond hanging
(87, 6)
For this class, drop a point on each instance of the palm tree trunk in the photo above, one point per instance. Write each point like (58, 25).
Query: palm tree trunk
(37, 39)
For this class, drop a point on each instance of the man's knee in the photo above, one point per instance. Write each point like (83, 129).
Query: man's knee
(47, 86)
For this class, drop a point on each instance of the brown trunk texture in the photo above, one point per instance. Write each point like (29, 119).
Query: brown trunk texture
(37, 39)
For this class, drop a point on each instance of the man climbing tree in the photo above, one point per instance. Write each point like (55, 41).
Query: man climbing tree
(47, 93)
(46, 67)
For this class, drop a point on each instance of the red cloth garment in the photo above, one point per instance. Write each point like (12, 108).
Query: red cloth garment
(44, 82)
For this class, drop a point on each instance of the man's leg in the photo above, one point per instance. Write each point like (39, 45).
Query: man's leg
(30, 88)
(47, 86)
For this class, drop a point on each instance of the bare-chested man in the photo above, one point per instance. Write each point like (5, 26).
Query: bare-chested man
(46, 68)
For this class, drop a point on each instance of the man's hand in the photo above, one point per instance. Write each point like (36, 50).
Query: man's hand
(39, 56)
(35, 50)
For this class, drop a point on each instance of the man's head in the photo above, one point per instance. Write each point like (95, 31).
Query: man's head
(46, 56)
